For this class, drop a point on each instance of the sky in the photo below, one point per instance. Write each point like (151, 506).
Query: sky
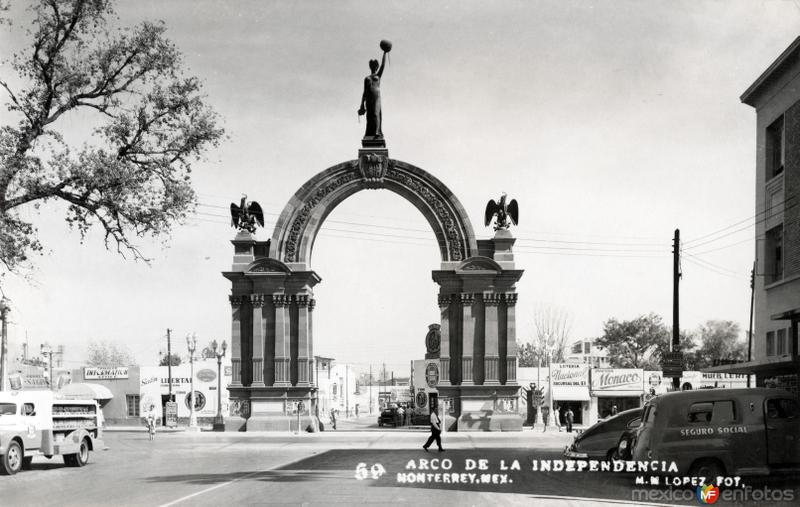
(611, 123)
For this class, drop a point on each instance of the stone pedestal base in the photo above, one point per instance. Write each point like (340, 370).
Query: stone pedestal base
(235, 423)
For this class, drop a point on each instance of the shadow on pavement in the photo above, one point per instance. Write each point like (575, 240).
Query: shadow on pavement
(502, 471)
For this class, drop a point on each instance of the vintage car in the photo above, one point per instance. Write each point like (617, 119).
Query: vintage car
(389, 416)
(714, 432)
(600, 440)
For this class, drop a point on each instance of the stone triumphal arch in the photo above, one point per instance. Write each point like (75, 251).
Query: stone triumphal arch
(272, 301)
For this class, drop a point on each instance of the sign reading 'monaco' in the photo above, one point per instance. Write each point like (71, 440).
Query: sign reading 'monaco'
(105, 373)
(607, 379)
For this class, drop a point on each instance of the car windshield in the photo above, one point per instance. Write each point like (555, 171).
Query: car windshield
(8, 408)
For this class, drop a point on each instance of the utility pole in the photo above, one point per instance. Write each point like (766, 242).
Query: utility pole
(370, 388)
(676, 275)
(750, 333)
(169, 363)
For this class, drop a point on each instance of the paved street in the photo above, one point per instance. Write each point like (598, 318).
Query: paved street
(181, 468)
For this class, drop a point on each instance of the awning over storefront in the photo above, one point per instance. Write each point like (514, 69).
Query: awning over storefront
(618, 394)
(86, 391)
(571, 393)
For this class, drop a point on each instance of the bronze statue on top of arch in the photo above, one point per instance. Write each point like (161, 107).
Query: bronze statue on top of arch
(371, 101)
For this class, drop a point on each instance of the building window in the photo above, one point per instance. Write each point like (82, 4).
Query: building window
(773, 255)
(587, 348)
(775, 148)
(133, 404)
(770, 343)
(781, 340)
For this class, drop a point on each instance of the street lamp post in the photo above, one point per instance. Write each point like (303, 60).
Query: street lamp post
(47, 350)
(191, 344)
(219, 422)
(4, 347)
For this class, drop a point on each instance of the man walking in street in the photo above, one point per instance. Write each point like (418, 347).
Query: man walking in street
(436, 432)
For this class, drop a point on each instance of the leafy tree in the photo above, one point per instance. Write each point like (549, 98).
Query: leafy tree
(104, 353)
(719, 339)
(551, 326)
(131, 175)
(635, 343)
(171, 359)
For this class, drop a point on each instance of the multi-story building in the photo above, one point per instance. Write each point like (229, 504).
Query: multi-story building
(775, 95)
(586, 352)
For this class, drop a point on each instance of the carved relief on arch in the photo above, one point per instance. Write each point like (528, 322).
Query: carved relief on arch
(479, 263)
(293, 236)
(268, 265)
(454, 237)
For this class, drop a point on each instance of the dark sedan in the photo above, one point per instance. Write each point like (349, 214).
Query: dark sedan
(600, 440)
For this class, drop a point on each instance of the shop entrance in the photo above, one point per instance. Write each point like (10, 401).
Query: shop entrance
(605, 406)
(577, 411)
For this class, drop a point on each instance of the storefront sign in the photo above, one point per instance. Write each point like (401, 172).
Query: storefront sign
(607, 379)
(105, 373)
(171, 408)
(570, 381)
(567, 374)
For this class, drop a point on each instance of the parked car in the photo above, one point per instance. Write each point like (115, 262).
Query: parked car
(600, 440)
(388, 416)
(717, 432)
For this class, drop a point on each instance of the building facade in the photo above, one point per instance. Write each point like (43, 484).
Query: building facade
(775, 96)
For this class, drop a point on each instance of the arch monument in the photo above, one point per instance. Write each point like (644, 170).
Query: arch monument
(272, 304)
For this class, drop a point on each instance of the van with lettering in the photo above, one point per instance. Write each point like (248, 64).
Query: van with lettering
(719, 432)
(40, 423)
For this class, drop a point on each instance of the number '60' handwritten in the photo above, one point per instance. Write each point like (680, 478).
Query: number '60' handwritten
(374, 472)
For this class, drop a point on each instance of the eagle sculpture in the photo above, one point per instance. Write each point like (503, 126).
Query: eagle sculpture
(503, 211)
(246, 216)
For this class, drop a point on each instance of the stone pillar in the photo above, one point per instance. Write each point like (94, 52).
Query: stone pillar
(257, 302)
(303, 363)
(282, 338)
(444, 346)
(311, 377)
(491, 360)
(511, 338)
(236, 340)
(467, 337)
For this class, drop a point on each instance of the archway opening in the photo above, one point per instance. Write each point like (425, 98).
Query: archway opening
(375, 253)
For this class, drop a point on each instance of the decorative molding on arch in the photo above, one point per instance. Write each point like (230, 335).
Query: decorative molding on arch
(298, 225)
(267, 265)
(479, 263)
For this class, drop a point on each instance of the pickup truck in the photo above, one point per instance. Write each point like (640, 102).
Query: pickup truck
(40, 423)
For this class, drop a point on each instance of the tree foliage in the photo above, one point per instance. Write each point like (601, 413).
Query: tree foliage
(104, 353)
(170, 360)
(132, 175)
(719, 340)
(636, 343)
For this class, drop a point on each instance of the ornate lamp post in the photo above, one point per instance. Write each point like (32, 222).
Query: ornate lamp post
(219, 422)
(191, 344)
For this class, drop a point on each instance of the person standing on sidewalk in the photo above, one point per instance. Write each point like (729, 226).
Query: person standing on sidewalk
(569, 416)
(150, 419)
(333, 418)
(436, 432)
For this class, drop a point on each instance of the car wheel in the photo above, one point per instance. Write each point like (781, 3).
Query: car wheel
(12, 459)
(708, 468)
(82, 456)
